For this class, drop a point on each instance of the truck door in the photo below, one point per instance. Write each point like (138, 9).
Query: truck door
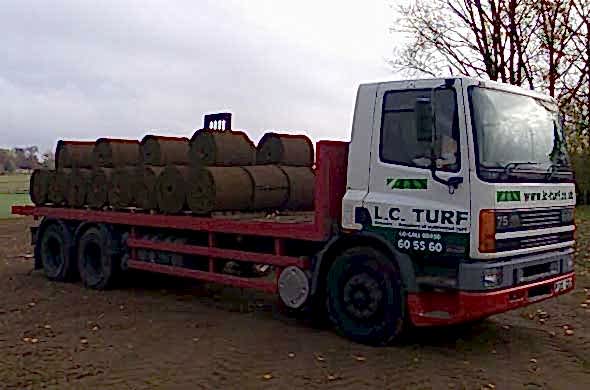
(414, 211)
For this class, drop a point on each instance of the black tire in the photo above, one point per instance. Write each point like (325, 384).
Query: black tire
(54, 251)
(98, 258)
(365, 296)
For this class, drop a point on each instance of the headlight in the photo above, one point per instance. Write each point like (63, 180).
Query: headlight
(492, 277)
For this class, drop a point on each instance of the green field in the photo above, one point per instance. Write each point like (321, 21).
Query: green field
(14, 189)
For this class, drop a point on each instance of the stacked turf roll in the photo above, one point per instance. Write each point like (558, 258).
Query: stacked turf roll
(213, 171)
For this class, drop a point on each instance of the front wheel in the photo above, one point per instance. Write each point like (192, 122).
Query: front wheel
(365, 296)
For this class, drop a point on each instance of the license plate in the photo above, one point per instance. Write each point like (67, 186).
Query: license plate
(563, 285)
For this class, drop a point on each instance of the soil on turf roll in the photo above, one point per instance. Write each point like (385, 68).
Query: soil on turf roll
(285, 149)
(58, 183)
(146, 191)
(114, 153)
(73, 154)
(78, 183)
(171, 189)
(219, 189)
(270, 187)
(98, 188)
(160, 151)
(221, 148)
(123, 186)
(39, 186)
(301, 188)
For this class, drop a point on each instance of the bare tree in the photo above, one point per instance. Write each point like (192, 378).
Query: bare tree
(533, 43)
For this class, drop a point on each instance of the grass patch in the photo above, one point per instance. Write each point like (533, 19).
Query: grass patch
(8, 200)
(14, 184)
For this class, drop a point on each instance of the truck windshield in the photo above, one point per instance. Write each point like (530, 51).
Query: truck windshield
(517, 137)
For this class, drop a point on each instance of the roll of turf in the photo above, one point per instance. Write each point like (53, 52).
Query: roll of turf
(219, 188)
(159, 150)
(39, 186)
(285, 149)
(172, 189)
(57, 186)
(114, 153)
(221, 148)
(73, 154)
(98, 188)
(124, 182)
(301, 188)
(77, 188)
(146, 191)
(270, 187)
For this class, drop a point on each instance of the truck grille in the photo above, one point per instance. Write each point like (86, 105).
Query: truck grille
(510, 244)
(530, 219)
(539, 219)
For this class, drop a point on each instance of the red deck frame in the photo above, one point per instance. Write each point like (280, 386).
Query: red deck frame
(330, 186)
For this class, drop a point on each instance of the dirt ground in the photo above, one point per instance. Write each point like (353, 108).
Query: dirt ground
(158, 332)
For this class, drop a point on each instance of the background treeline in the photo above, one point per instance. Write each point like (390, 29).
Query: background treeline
(24, 159)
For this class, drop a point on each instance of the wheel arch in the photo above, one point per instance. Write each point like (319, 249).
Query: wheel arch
(337, 245)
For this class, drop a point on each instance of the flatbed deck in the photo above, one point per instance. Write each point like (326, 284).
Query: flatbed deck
(331, 157)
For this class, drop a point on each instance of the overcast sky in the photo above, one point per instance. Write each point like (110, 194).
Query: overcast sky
(82, 69)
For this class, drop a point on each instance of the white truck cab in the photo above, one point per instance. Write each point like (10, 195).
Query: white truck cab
(469, 179)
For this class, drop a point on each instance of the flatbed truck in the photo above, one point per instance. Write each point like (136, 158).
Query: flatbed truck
(453, 201)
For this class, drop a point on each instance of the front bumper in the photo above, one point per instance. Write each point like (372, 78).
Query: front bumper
(454, 307)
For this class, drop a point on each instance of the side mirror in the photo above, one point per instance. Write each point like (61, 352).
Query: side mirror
(424, 120)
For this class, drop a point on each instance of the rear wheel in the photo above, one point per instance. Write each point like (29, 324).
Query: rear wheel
(54, 251)
(365, 296)
(98, 259)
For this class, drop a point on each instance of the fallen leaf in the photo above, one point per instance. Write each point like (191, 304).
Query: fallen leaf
(84, 341)
(569, 332)
(267, 376)
(332, 377)
(27, 339)
(584, 305)
(34, 340)
(291, 355)
(534, 361)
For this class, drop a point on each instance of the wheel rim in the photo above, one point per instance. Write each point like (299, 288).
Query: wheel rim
(363, 296)
(93, 259)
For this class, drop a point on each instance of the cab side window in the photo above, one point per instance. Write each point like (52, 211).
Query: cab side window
(399, 142)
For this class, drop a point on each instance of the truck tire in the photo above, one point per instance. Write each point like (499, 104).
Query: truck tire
(54, 250)
(98, 260)
(365, 296)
